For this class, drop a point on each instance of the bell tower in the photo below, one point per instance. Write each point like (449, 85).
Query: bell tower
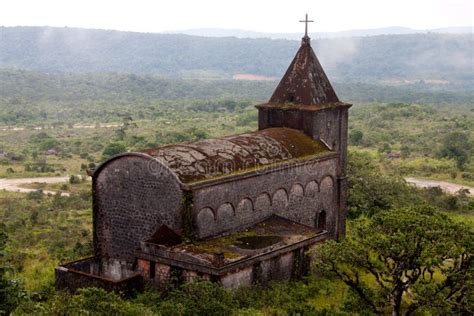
(305, 100)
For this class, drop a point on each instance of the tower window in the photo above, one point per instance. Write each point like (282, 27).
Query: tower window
(291, 97)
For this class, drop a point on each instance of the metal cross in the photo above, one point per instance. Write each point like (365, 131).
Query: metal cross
(306, 21)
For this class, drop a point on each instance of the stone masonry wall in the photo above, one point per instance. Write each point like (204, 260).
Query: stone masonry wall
(298, 194)
(130, 203)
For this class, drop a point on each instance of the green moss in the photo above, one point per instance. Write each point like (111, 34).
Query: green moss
(188, 203)
(219, 245)
(260, 167)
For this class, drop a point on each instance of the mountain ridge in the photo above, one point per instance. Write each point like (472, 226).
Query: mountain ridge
(391, 58)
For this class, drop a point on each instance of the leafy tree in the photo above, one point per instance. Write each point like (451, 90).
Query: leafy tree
(355, 137)
(403, 261)
(370, 191)
(456, 145)
(113, 149)
(405, 151)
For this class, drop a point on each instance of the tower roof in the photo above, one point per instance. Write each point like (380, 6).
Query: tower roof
(305, 82)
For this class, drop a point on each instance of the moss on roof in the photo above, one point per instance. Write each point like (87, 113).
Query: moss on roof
(216, 158)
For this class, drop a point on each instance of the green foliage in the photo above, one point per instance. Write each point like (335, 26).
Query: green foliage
(11, 294)
(424, 56)
(188, 201)
(198, 298)
(88, 301)
(409, 250)
(370, 191)
(355, 137)
(457, 145)
(74, 179)
(113, 149)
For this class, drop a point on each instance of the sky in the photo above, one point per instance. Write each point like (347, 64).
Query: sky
(274, 16)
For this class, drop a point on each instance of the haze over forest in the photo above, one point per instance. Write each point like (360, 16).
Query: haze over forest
(431, 57)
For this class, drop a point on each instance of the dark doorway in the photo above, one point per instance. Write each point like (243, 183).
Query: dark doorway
(321, 220)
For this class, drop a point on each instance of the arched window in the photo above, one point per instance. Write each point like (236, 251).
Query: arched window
(321, 220)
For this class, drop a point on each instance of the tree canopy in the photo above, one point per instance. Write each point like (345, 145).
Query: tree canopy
(404, 260)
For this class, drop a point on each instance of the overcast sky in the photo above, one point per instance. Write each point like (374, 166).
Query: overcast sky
(256, 15)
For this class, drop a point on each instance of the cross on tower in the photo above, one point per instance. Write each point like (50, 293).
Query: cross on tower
(306, 21)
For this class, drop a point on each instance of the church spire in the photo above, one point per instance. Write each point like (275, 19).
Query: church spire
(305, 82)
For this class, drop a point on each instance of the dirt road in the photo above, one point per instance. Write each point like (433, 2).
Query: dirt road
(14, 185)
(445, 186)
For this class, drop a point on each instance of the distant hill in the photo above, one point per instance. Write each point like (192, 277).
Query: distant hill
(394, 30)
(386, 58)
(26, 88)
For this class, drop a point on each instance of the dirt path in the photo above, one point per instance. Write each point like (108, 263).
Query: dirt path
(445, 186)
(15, 185)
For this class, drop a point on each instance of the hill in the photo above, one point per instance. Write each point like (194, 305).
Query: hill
(33, 97)
(216, 32)
(394, 58)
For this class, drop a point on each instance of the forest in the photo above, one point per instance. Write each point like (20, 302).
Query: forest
(438, 57)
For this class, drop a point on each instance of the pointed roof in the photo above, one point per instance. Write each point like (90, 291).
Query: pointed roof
(305, 82)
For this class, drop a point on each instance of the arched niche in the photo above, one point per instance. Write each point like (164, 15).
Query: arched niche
(205, 222)
(263, 204)
(225, 216)
(244, 209)
(327, 191)
(279, 200)
(311, 189)
(296, 193)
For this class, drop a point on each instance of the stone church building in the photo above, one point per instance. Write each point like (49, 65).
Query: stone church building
(236, 210)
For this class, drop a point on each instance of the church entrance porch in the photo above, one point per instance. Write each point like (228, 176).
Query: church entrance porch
(273, 249)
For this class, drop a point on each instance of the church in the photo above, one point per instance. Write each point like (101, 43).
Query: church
(237, 210)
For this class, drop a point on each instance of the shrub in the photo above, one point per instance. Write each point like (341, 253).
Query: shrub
(113, 149)
(73, 179)
(198, 298)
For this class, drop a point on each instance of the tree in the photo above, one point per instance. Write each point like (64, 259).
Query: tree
(355, 137)
(456, 146)
(127, 123)
(405, 260)
(370, 191)
(113, 149)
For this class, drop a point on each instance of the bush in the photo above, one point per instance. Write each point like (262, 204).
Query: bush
(89, 301)
(35, 195)
(198, 298)
(73, 179)
(113, 149)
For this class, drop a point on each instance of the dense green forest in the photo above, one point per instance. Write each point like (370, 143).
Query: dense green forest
(386, 57)
(30, 97)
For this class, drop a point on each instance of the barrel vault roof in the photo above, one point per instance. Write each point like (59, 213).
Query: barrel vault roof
(213, 158)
